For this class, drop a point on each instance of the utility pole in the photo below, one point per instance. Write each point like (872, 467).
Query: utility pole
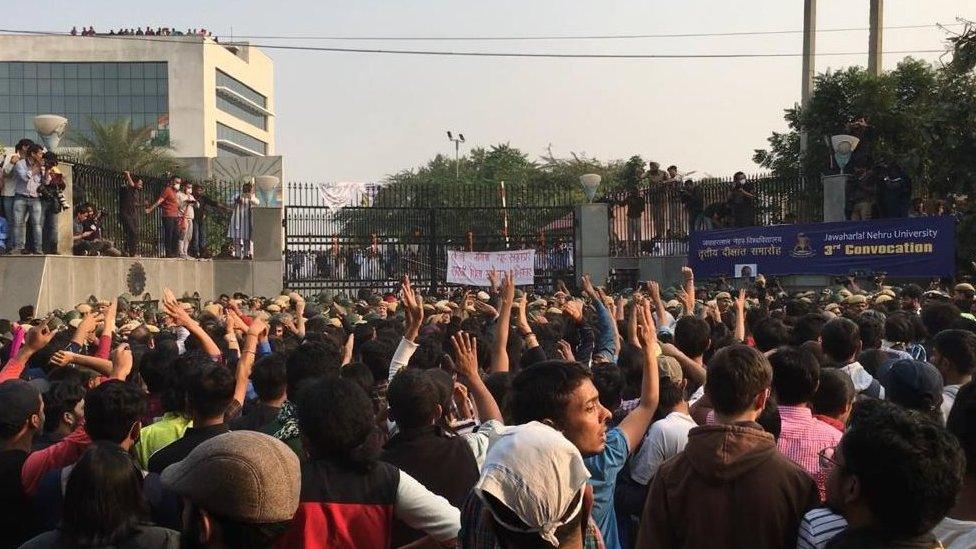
(809, 56)
(874, 37)
(457, 153)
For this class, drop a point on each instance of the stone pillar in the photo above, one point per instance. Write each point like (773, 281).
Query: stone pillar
(267, 266)
(66, 218)
(591, 248)
(834, 197)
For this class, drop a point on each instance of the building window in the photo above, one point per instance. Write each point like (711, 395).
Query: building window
(240, 88)
(232, 137)
(81, 91)
(255, 119)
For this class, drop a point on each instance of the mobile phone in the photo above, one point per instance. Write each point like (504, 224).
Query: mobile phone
(52, 323)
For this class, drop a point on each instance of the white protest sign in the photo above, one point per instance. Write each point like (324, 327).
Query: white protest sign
(472, 268)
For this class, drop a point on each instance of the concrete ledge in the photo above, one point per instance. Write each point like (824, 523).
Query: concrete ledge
(60, 282)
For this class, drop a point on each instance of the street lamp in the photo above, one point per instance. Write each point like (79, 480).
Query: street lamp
(457, 152)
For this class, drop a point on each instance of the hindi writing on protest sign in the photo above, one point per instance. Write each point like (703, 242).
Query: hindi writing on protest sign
(921, 246)
(472, 268)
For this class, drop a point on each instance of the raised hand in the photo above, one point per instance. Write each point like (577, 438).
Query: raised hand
(62, 358)
(565, 350)
(465, 354)
(413, 308)
(121, 362)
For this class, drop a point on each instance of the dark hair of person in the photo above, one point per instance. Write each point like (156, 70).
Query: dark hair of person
(34, 148)
(316, 324)
(429, 354)
(23, 144)
(238, 534)
(938, 316)
(962, 423)
(736, 375)
(770, 334)
(872, 359)
(498, 384)
(796, 374)
(631, 364)
(112, 408)
(156, 368)
(211, 390)
(959, 348)
(835, 392)
(413, 396)
(609, 382)
(376, 354)
(26, 312)
(808, 328)
(336, 419)
(312, 360)
(359, 373)
(910, 468)
(269, 376)
(964, 323)
(872, 329)
(671, 394)
(839, 340)
(692, 336)
(912, 291)
(42, 358)
(898, 329)
(769, 419)
(103, 499)
(61, 397)
(543, 391)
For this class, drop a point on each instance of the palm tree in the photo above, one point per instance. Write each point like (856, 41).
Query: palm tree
(118, 146)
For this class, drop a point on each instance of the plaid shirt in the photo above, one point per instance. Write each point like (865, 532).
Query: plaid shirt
(802, 437)
(476, 532)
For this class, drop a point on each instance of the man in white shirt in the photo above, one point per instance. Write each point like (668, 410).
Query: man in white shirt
(954, 354)
(841, 342)
(669, 435)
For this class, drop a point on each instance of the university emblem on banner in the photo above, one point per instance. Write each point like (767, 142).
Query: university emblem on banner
(802, 247)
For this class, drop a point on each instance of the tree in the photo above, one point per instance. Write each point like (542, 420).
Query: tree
(924, 119)
(118, 146)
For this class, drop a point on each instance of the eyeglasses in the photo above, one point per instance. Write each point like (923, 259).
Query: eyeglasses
(827, 460)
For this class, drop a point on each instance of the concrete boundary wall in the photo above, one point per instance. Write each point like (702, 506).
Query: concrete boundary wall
(60, 282)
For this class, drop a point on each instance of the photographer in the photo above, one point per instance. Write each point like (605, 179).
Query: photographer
(88, 235)
(52, 200)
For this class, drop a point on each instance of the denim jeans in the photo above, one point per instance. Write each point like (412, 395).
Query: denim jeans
(8, 210)
(24, 206)
(199, 239)
(171, 236)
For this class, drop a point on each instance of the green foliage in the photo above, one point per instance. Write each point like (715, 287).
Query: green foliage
(924, 118)
(119, 146)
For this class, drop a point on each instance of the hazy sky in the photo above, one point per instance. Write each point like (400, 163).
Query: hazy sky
(343, 116)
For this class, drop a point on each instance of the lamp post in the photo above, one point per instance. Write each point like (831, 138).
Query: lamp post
(457, 153)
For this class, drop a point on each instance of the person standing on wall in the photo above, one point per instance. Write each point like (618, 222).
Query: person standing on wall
(130, 200)
(29, 176)
(241, 224)
(170, 208)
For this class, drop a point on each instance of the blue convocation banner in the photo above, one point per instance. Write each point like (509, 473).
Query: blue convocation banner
(908, 247)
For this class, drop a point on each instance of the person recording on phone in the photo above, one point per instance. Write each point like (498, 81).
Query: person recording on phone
(28, 177)
(87, 233)
(52, 201)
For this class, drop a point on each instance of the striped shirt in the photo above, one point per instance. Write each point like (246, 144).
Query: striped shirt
(818, 527)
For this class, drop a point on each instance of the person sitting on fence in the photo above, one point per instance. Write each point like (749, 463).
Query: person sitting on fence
(241, 224)
(86, 234)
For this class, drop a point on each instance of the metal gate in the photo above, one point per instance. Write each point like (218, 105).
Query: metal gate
(370, 236)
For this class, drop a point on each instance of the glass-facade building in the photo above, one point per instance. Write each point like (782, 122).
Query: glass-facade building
(243, 103)
(81, 91)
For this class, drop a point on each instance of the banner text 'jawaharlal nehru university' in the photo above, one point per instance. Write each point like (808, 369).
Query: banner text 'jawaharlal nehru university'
(905, 247)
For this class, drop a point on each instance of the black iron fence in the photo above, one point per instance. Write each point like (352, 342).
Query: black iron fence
(670, 211)
(100, 187)
(347, 236)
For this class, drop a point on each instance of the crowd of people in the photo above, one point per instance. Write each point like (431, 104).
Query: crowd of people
(33, 190)
(33, 196)
(139, 31)
(692, 416)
